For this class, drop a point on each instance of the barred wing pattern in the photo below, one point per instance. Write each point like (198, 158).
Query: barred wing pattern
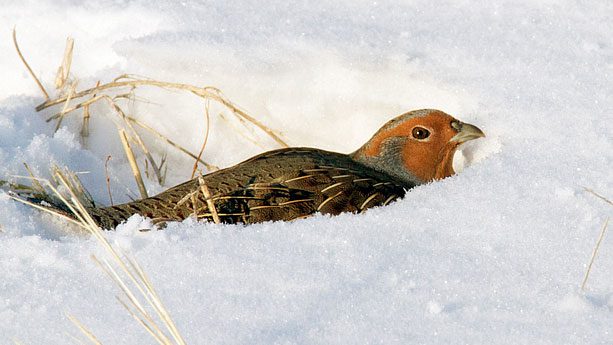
(285, 184)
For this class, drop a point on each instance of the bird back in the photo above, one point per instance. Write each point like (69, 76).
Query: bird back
(284, 184)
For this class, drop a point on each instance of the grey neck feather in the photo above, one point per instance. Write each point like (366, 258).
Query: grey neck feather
(389, 161)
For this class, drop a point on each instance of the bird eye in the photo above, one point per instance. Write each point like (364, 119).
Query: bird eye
(420, 133)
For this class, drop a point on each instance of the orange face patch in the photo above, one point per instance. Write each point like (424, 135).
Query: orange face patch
(427, 158)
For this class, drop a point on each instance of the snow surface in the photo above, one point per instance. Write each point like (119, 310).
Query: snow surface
(494, 254)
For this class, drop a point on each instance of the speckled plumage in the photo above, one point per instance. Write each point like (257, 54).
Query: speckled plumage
(287, 184)
(283, 184)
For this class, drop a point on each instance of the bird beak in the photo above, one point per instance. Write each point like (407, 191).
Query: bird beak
(466, 132)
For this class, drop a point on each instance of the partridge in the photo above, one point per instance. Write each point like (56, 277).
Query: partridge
(412, 149)
(286, 184)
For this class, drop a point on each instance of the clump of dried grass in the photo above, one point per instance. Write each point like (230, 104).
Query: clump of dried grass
(139, 295)
(122, 88)
(39, 197)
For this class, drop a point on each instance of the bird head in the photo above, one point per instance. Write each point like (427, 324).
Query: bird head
(418, 146)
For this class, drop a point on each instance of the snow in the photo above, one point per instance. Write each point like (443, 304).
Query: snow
(495, 254)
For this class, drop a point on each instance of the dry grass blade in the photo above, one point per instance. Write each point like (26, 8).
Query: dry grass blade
(86, 117)
(35, 184)
(241, 131)
(84, 104)
(62, 114)
(63, 72)
(74, 183)
(18, 186)
(40, 86)
(206, 138)
(594, 252)
(114, 275)
(219, 97)
(85, 125)
(599, 196)
(133, 165)
(108, 178)
(156, 301)
(74, 339)
(209, 202)
(143, 323)
(137, 311)
(136, 138)
(84, 330)
(172, 143)
(187, 197)
(44, 209)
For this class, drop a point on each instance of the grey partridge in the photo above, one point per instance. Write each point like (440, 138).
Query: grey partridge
(414, 148)
(411, 149)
